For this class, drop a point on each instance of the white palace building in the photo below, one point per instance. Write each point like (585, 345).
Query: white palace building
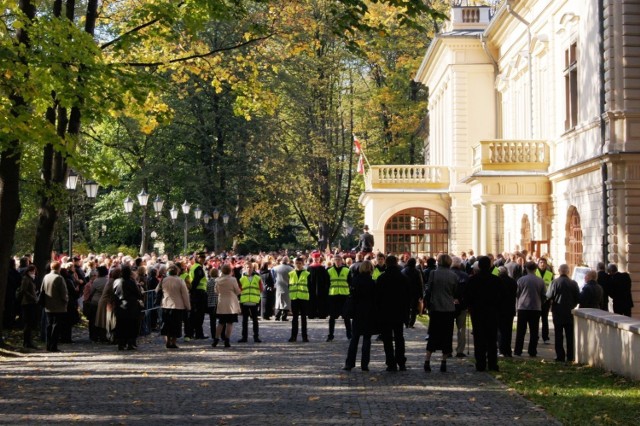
(534, 138)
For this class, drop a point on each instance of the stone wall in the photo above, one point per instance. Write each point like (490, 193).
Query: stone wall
(607, 340)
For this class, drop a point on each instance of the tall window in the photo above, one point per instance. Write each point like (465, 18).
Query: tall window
(418, 232)
(571, 87)
(574, 245)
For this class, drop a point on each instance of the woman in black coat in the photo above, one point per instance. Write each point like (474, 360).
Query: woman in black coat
(128, 302)
(363, 309)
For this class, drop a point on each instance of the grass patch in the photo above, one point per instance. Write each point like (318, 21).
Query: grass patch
(574, 394)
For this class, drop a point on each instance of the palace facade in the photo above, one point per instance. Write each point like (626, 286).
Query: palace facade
(534, 138)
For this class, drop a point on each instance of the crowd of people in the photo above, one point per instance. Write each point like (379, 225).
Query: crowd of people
(373, 294)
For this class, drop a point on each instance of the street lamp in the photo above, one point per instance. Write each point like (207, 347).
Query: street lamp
(185, 209)
(91, 189)
(174, 213)
(143, 200)
(216, 215)
(157, 205)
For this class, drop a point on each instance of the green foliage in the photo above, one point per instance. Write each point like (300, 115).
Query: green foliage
(574, 394)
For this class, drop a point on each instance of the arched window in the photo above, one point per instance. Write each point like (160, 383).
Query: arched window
(418, 232)
(573, 241)
(525, 233)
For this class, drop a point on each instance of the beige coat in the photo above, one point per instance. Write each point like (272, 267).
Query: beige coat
(175, 294)
(56, 290)
(228, 291)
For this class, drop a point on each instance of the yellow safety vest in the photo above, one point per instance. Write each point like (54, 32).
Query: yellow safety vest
(187, 279)
(250, 289)
(298, 288)
(376, 273)
(547, 278)
(202, 285)
(339, 285)
(496, 271)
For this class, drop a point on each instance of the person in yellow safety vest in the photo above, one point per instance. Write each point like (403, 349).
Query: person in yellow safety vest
(380, 267)
(338, 295)
(299, 294)
(251, 286)
(198, 293)
(494, 268)
(545, 272)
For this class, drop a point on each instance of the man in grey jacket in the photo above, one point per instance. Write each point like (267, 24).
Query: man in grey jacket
(530, 296)
(563, 294)
(56, 300)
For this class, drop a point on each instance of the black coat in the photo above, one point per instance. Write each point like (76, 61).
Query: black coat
(363, 304)
(393, 296)
(509, 296)
(415, 282)
(484, 295)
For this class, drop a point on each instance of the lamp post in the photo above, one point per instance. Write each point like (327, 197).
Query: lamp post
(91, 189)
(185, 209)
(216, 215)
(143, 200)
(225, 219)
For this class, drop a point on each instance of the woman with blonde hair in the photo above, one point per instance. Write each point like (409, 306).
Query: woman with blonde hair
(228, 305)
(175, 301)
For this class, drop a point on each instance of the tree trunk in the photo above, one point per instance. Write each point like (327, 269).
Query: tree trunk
(54, 163)
(10, 175)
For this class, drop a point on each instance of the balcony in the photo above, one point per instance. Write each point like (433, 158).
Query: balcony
(407, 177)
(511, 155)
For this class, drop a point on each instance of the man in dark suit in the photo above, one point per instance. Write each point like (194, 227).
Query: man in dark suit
(366, 241)
(55, 288)
(392, 290)
(620, 290)
(484, 294)
(564, 295)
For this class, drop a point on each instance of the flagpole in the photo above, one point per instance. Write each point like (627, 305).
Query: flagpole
(360, 151)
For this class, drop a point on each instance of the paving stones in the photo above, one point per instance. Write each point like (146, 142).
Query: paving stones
(274, 382)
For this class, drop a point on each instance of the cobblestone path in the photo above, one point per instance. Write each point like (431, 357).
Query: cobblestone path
(269, 383)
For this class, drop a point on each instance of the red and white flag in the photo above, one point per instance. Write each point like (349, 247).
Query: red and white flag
(356, 145)
(361, 164)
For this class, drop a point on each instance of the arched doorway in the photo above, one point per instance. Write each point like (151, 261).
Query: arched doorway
(525, 233)
(573, 242)
(417, 231)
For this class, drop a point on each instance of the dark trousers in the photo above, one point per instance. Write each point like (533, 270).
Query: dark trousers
(29, 318)
(211, 310)
(505, 330)
(90, 313)
(267, 303)
(196, 317)
(563, 328)
(414, 307)
(336, 309)
(54, 322)
(250, 310)
(298, 309)
(545, 319)
(353, 348)
(532, 320)
(393, 341)
(485, 336)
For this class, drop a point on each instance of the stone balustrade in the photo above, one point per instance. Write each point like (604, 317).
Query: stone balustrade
(407, 176)
(607, 340)
(516, 155)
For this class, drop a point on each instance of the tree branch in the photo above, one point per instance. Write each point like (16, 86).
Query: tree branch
(195, 56)
(133, 30)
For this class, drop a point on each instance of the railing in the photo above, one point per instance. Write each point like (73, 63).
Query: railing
(416, 176)
(471, 14)
(152, 313)
(517, 155)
